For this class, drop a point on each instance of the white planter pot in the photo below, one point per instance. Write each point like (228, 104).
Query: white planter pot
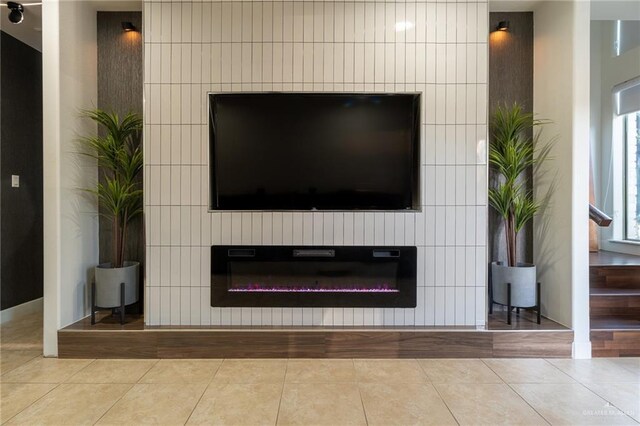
(523, 284)
(108, 282)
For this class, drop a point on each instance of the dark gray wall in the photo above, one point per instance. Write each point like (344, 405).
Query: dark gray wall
(21, 228)
(510, 80)
(120, 74)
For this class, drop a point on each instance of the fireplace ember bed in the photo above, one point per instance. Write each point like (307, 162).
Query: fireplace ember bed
(313, 276)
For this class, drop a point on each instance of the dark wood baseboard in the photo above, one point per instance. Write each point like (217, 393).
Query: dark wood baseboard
(312, 343)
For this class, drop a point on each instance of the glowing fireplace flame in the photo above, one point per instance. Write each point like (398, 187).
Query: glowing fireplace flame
(252, 287)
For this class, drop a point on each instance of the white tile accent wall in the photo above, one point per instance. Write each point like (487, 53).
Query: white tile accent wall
(335, 46)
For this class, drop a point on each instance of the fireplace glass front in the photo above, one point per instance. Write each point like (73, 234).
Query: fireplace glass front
(313, 276)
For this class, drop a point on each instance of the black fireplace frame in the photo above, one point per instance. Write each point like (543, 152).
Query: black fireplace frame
(405, 257)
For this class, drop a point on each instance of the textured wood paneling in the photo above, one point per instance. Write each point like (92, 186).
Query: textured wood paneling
(615, 343)
(241, 344)
(620, 277)
(431, 344)
(107, 344)
(521, 344)
(120, 73)
(120, 63)
(312, 343)
(619, 305)
(510, 80)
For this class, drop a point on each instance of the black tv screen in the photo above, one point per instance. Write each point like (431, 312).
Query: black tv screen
(314, 151)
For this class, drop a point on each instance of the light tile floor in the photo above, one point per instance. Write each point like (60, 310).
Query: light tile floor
(36, 391)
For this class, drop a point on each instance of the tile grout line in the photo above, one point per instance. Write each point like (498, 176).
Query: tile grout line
(204, 391)
(364, 410)
(438, 392)
(594, 392)
(517, 393)
(131, 386)
(27, 407)
(79, 371)
(605, 399)
(125, 393)
(527, 402)
(18, 366)
(560, 370)
(284, 381)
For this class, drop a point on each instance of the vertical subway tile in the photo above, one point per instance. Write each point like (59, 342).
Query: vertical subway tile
(193, 47)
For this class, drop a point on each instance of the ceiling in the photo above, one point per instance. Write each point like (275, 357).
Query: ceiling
(611, 10)
(512, 5)
(30, 30)
(628, 10)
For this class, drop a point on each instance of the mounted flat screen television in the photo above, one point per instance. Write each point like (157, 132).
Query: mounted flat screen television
(314, 151)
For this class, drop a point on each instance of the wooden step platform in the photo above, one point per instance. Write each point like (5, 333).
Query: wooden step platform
(110, 340)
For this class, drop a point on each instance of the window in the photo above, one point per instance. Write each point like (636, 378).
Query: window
(631, 137)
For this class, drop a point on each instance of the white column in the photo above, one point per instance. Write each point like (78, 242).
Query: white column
(561, 94)
(70, 218)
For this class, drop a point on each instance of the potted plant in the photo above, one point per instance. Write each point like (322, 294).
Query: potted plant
(515, 154)
(120, 160)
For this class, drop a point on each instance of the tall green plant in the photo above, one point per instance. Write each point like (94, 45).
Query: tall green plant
(120, 160)
(515, 148)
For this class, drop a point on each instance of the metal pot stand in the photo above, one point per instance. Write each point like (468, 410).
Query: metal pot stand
(94, 308)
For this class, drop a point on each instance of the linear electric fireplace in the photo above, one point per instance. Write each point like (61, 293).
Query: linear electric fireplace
(304, 276)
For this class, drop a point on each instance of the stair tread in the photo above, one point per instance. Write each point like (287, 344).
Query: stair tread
(614, 291)
(607, 258)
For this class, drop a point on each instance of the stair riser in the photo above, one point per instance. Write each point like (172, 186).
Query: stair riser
(627, 277)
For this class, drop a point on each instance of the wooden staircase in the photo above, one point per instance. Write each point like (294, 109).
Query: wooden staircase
(614, 304)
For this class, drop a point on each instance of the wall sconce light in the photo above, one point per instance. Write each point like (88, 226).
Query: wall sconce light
(128, 26)
(503, 26)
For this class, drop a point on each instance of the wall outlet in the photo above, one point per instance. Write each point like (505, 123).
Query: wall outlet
(15, 181)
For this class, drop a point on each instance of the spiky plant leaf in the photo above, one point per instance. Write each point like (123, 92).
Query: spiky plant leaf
(515, 148)
(120, 158)
(501, 199)
(524, 209)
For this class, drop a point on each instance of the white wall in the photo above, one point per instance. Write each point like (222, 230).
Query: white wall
(609, 159)
(561, 93)
(192, 48)
(70, 218)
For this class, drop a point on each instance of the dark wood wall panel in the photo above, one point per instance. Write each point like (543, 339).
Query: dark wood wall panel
(120, 62)
(510, 80)
(21, 221)
(120, 89)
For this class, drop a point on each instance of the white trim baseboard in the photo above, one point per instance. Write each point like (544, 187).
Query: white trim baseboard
(21, 310)
(581, 350)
